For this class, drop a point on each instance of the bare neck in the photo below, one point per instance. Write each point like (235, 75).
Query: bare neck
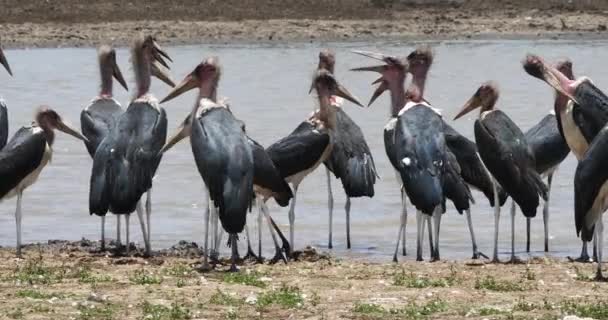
(416, 89)
(141, 66)
(327, 114)
(207, 90)
(106, 79)
(397, 96)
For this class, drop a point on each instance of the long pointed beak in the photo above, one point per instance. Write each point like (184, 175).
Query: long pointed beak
(373, 55)
(379, 69)
(63, 126)
(189, 83)
(378, 92)
(471, 105)
(4, 62)
(118, 76)
(161, 51)
(342, 92)
(183, 131)
(162, 74)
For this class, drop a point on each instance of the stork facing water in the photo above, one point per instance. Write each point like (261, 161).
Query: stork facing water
(505, 153)
(126, 160)
(350, 160)
(26, 154)
(100, 116)
(221, 151)
(311, 143)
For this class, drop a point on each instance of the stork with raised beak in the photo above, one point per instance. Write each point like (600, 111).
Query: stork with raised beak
(127, 158)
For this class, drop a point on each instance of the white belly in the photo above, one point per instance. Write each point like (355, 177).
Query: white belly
(31, 178)
(295, 179)
(574, 138)
(599, 206)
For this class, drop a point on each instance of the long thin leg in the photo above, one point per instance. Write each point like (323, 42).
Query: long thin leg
(528, 226)
(103, 233)
(599, 238)
(330, 207)
(142, 225)
(118, 240)
(205, 265)
(278, 254)
(260, 221)
(250, 254)
(429, 224)
(127, 217)
(235, 253)
(148, 214)
(476, 253)
(437, 217)
(513, 259)
(18, 222)
(404, 214)
(496, 222)
(398, 239)
(546, 212)
(292, 218)
(419, 234)
(347, 209)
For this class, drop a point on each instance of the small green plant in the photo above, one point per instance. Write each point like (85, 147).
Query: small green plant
(96, 312)
(415, 311)
(368, 308)
(86, 275)
(492, 284)
(580, 275)
(35, 294)
(142, 277)
(232, 314)
(221, 298)
(410, 280)
(16, 314)
(595, 310)
(529, 274)
(160, 312)
(180, 283)
(35, 272)
(179, 270)
(287, 297)
(525, 306)
(250, 279)
(489, 311)
(315, 299)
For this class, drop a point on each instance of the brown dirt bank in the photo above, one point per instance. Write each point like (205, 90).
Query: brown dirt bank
(71, 281)
(50, 23)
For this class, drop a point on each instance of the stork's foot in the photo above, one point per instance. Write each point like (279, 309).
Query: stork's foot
(599, 277)
(584, 258)
(395, 258)
(435, 258)
(515, 260)
(278, 256)
(419, 258)
(204, 267)
(495, 260)
(403, 253)
(330, 245)
(250, 256)
(233, 268)
(214, 257)
(479, 255)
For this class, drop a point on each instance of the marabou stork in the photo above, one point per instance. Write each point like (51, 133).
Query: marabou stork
(440, 161)
(99, 117)
(504, 151)
(26, 154)
(311, 143)
(3, 110)
(127, 158)
(580, 120)
(351, 160)
(221, 151)
(549, 149)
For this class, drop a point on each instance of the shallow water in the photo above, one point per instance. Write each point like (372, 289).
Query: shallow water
(267, 86)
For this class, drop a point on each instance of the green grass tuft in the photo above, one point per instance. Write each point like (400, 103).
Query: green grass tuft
(160, 312)
(287, 297)
(410, 280)
(410, 311)
(34, 294)
(179, 270)
(96, 312)
(142, 277)
(84, 274)
(35, 272)
(492, 284)
(595, 310)
(249, 279)
(368, 308)
(223, 299)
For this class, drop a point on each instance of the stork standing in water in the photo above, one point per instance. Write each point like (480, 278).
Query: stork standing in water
(26, 154)
(549, 149)
(504, 151)
(126, 160)
(351, 160)
(579, 123)
(100, 116)
(311, 143)
(221, 151)
(3, 110)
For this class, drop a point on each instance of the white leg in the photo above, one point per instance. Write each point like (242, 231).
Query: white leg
(148, 214)
(512, 230)
(142, 225)
(103, 233)
(546, 212)
(292, 217)
(18, 222)
(347, 209)
(404, 214)
(260, 219)
(278, 255)
(419, 234)
(599, 236)
(118, 231)
(496, 222)
(206, 246)
(528, 225)
(429, 225)
(127, 217)
(476, 253)
(330, 207)
(437, 215)
(398, 239)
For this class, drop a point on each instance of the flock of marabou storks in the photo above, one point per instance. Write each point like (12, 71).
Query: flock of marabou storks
(432, 161)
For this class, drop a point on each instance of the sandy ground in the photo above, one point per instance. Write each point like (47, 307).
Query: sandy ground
(76, 281)
(52, 23)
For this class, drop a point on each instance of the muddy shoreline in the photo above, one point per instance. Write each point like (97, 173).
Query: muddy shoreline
(72, 280)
